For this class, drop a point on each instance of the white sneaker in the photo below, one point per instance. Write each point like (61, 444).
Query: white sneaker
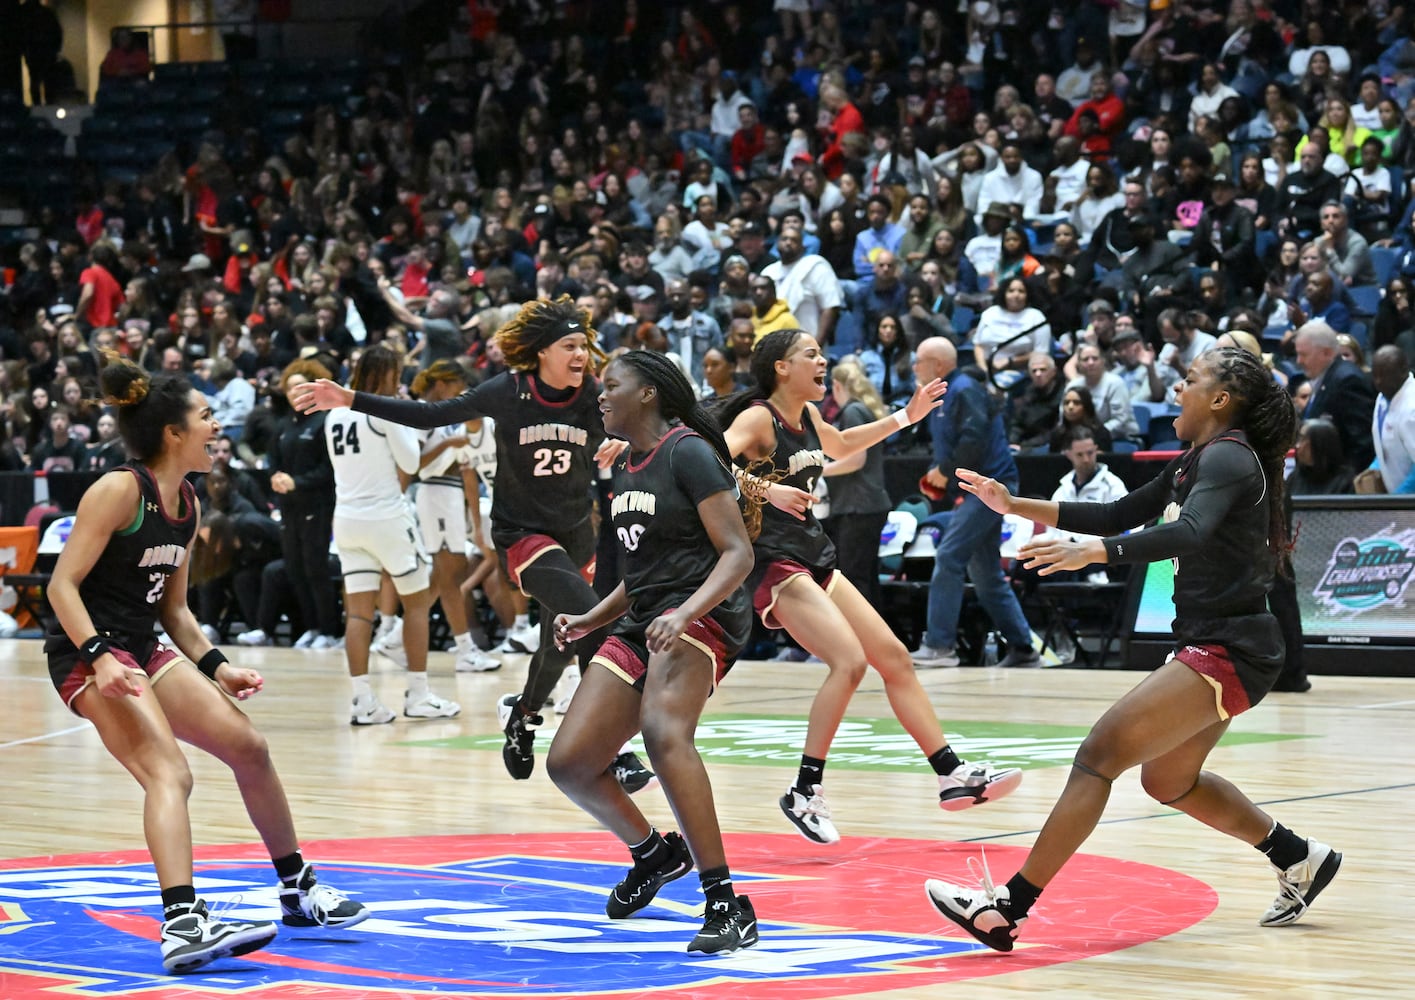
(565, 690)
(212, 636)
(473, 661)
(1300, 884)
(973, 784)
(327, 642)
(984, 912)
(810, 815)
(928, 658)
(369, 711)
(524, 640)
(429, 706)
(255, 637)
(391, 645)
(306, 641)
(197, 938)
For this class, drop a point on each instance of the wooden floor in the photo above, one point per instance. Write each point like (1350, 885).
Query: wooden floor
(1347, 779)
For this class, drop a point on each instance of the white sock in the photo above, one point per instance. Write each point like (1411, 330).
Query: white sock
(417, 683)
(463, 642)
(361, 686)
(522, 621)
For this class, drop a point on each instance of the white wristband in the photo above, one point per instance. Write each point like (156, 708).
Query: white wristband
(901, 417)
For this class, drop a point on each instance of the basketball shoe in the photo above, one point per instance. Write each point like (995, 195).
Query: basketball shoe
(642, 882)
(367, 710)
(973, 784)
(631, 773)
(1299, 885)
(520, 730)
(810, 814)
(984, 912)
(197, 938)
(727, 926)
(311, 903)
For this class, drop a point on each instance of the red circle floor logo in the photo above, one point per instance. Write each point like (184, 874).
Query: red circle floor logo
(523, 916)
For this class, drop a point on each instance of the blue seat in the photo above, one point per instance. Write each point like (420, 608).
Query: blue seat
(963, 319)
(1142, 418)
(1384, 259)
(1361, 335)
(1365, 299)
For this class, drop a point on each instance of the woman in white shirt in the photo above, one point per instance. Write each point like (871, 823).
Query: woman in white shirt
(994, 346)
(375, 532)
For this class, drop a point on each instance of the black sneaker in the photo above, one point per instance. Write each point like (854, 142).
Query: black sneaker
(641, 884)
(1300, 884)
(631, 773)
(311, 903)
(727, 926)
(517, 755)
(196, 938)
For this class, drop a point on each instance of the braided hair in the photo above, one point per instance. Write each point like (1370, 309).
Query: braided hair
(677, 401)
(539, 324)
(1266, 416)
(676, 398)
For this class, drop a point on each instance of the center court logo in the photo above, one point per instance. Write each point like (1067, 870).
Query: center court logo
(524, 916)
(870, 744)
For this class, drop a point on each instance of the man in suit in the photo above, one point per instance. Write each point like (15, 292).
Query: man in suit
(1341, 392)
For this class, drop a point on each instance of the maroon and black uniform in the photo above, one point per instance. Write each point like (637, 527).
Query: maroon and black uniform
(786, 546)
(668, 553)
(1223, 563)
(546, 440)
(122, 590)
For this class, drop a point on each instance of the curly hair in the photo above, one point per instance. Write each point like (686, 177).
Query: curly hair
(309, 368)
(537, 325)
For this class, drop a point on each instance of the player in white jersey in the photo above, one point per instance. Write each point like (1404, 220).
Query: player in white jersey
(375, 531)
(441, 502)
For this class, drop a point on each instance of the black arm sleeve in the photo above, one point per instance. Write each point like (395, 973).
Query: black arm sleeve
(1120, 515)
(470, 405)
(1228, 476)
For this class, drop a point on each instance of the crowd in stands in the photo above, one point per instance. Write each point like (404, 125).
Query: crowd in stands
(1082, 195)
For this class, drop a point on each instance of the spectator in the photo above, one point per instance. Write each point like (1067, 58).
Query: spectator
(1347, 253)
(1078, 409)
(234, 398)
(59, 450)
(878, 236)
(1303, 193)
(769, 313)
(1321, 468)
(127, 58)
(1012, 184)
(1224, 237)
(808, 286)
(889, 364)
(1341, 392)
(1110, 395)
(106, 451)
(1393, 422)
(1319, 302)
(1089, 481)
(1034, 412)
(690, 332)
(1010, 331)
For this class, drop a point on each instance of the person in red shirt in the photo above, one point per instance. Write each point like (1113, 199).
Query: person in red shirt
(127, 58)
(100, 295)
(844, 118)
(747, 142)
(1109, 109)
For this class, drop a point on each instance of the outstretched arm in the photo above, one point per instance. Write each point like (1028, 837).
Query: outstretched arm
(842, 444)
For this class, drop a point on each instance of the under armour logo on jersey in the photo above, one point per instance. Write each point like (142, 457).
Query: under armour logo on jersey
(152, 506)
(629, 537)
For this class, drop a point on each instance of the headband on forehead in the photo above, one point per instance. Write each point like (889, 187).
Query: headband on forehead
(554, 333)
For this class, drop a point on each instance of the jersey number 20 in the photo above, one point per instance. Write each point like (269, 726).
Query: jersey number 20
(346, 437)
(551, 463)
